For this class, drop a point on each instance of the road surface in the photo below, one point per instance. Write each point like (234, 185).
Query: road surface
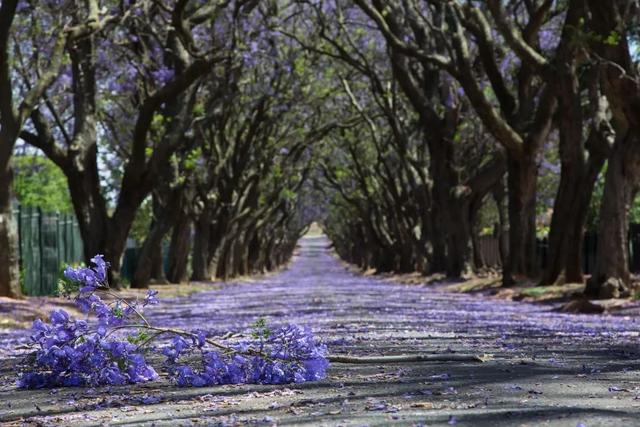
(549, 368)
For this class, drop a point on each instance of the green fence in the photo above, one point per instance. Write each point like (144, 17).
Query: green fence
(47, 242)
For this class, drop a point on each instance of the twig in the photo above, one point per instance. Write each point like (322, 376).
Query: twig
(410, 358)
(108, 292)
(160, 331)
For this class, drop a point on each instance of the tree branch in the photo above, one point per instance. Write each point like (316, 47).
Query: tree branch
(527, 53)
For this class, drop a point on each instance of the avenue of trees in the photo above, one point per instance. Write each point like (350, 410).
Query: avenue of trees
(406, 127)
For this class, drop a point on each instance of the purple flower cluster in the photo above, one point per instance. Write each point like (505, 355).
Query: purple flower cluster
(69, 354)
(89, 279)
(163, 75)
(76, 353)
(290, 355)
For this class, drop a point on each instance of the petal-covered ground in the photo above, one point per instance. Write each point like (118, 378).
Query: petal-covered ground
(548, 368)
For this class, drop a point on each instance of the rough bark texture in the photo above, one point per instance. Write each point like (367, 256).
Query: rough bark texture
(200, 255)
(611, 276)
(179, 251)
(166, 208)
(577, 180)
(522, 180)
(9, 271)
(148, 258)
(501, 228)
(581, 132)
(620, 83)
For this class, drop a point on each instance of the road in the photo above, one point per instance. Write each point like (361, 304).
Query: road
(548, 368)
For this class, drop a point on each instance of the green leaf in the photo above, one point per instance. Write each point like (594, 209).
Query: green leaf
(138, 338)
(612, 39)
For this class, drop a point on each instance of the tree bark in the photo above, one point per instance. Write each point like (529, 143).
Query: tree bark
(9, 271)
(578, 173)
(167, 203)
(157, 267)
(501, 228)
(620, 83)
(522, 181)
(611, 276)
(224, 266)
(566, 236)
(179, 251)
(200, 255)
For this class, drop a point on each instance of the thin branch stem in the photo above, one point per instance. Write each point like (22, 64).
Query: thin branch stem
(409, 358)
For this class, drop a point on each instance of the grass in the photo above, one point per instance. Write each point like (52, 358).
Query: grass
(551, 292)
(476, 285)
(492, 284)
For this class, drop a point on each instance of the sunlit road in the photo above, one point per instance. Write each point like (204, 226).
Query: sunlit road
(548, 368)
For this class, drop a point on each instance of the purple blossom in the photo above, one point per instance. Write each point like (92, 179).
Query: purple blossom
(294, 356)
(151, 298)
(70, 355)
(65, 78)
(100, 267)
(59, 317)
(22, 5)
(163, 75)
(89, 279)
(547, 166)
(76, 353)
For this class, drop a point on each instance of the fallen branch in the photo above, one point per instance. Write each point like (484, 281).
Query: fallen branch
(410, 358)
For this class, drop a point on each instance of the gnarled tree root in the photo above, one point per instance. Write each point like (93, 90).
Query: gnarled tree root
(410, 358)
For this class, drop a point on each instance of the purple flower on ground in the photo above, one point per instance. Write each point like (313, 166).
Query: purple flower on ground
(81, 353)
(150, 298)
(293, 356)
(59, 317)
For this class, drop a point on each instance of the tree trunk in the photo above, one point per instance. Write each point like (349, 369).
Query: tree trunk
(458, 232)
(9, 128)
(223, 269)
(438, 261)
(444, 183)
(179, 251)
(566, 236)
(241, 257)
(521, 260)
(150, 255)
(478, 256)
(578, 174)
(200, 255)
(9, 271)
(619, 80)
(116, 238)
(611, 276)
(167, 203)
(474, 208)
(253, 252)
(501, 228)
(563, 220)
(89, 207)
(157, 265)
